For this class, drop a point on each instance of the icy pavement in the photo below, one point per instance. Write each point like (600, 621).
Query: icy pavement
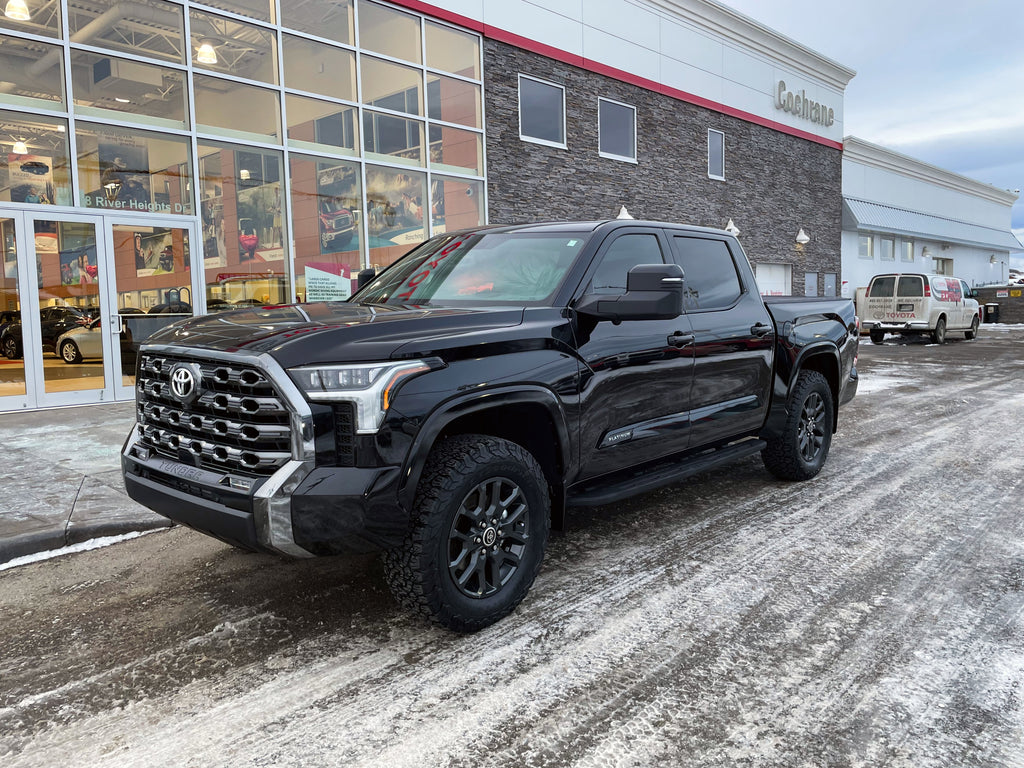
(871, 617)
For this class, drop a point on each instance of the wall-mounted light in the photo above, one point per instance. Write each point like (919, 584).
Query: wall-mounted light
(992, 259)
(802, 238)
(20, 147)
(732, 229)
(623, 213)
(17, 10)
(206, 54)
(925, 253)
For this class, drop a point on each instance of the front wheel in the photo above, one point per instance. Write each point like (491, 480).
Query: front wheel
(799, 452)
(11, 351)
(478, 532)
(69, 353)
(939, 334)
(973, 332)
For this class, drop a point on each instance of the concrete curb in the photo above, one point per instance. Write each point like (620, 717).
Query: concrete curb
(21, 545)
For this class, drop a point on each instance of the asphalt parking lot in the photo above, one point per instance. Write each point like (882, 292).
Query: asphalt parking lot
(871, 617)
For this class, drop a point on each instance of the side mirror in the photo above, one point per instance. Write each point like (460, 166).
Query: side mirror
(364, 276)
(653, 292)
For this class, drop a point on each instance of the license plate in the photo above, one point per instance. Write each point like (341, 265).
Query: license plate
(906, 308)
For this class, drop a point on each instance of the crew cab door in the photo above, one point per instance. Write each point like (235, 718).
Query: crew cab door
(734, 339)
(634, 375)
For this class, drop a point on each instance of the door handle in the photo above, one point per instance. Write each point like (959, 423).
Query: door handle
(116, 323)
(760, 330)
(680, 339)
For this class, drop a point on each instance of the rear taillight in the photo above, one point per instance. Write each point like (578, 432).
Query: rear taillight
(927, 289)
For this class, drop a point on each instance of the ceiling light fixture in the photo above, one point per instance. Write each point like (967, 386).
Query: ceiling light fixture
(17, 10)
(206, 54)
(20, 147)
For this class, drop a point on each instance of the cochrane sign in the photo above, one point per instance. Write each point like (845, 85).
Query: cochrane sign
(798, 104)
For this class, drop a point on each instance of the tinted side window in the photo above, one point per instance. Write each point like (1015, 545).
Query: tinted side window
(882, 287)
(623, 254)
(910, 287)
(710, 281)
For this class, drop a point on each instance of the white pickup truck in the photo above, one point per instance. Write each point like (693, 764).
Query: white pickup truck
(920, 304)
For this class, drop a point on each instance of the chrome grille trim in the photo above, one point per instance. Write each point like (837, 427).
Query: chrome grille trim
(272, 500)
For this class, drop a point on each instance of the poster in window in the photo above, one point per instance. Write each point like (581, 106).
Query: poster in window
(327, 281)
(259, 223)
(30, 178)
(78, 266)
(394, 207)
(154, 253)
(337, 208)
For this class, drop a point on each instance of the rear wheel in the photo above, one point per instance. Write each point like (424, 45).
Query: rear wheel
(939, 334)
(11, 351)
(799, 452)
(973, 332)
(478, 533)
(877, 336)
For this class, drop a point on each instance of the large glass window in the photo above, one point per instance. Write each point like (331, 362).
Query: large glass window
(541, 111)
(394, 212)
(152, 28)
(456, 151)
(322, 125)
(318, 68)
(243, 226)
(101, 85)
(330, 19)
(774, 279)
(326, 213)
(865, 247)
(130, 170)
(392, 86)
(34, 161)
(233, 47)
(907, 251)
(456, 203)
(235, 110)
(254, 9)
(42, 18)
(391, 138)
(454, 101)
(12, 372)
(393, 33)
(616, 130)
(452, 50)
(887, 249)
(34, 73)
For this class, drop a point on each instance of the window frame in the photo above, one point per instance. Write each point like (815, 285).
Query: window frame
(710, 174)
(882, 249)
(861, 239)
(611, 155)
(519, 105)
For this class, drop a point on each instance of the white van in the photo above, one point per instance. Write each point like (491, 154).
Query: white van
(919, 304)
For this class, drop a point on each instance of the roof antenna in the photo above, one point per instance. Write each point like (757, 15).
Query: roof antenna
(623, 213)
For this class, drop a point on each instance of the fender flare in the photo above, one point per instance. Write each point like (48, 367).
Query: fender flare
(778, 411)
(477, 402)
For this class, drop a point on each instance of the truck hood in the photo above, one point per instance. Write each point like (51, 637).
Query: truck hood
(334, 332)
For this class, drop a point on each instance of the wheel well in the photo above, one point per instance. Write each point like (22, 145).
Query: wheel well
(529, 425)
(827, 366)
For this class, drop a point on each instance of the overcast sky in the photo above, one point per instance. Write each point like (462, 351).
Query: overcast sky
(940, 81)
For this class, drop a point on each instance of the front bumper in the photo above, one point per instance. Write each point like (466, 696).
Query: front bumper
(299, 511)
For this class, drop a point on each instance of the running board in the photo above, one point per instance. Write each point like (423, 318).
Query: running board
(660, 475)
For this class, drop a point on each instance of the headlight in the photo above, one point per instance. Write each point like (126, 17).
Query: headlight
(370, 386)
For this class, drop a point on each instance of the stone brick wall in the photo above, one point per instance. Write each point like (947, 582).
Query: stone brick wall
(775, 183)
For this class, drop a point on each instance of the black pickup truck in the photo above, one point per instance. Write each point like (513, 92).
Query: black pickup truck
(464, 399)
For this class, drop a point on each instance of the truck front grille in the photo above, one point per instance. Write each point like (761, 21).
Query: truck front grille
(238, 423)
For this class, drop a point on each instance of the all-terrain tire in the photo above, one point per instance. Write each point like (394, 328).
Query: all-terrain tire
(477, 536)
(972, 332)
(877, 336)
(800, 451)
(939, 334)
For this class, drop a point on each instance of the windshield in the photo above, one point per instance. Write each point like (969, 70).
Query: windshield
(478, 268)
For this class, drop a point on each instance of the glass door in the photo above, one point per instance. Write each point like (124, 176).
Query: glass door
(14, 385)
(152, 285)
(65, 349)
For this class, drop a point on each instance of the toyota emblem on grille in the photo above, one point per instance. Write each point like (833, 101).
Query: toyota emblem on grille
(184, 383)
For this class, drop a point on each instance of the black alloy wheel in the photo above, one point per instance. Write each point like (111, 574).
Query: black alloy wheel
(11, 351)
(488, 537)
(811, 435)
(800, 449)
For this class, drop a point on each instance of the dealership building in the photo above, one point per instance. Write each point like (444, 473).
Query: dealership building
(161, 158)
